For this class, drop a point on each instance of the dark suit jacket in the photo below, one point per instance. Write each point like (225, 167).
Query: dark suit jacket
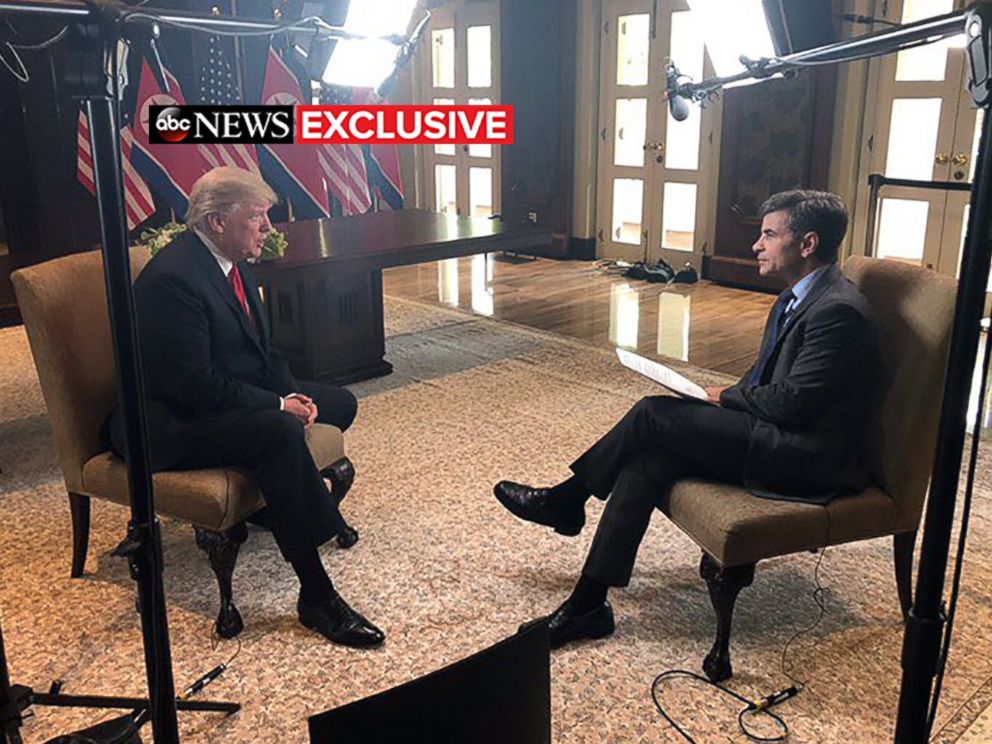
(203, 362)
(816, 393)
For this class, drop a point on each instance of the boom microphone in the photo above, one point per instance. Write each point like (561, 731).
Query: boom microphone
(678, 105)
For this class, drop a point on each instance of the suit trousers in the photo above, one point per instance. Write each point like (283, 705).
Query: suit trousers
(660, 440)
(300, 511)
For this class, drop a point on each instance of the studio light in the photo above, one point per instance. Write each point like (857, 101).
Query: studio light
(366, 63)
(732, 29)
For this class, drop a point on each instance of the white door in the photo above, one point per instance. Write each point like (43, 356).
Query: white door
(924, 130)
(653, 197)
(461, 66)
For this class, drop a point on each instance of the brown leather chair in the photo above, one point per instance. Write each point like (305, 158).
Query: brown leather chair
(915, 311)
(64, 306)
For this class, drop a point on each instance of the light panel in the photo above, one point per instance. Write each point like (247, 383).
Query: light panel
(360, 63)
(732, 28)
(366, 63)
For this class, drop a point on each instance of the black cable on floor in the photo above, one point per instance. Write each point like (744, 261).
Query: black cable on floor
(750, 709)
(820, 601)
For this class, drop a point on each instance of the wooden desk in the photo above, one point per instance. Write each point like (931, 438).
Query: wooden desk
(324, 297)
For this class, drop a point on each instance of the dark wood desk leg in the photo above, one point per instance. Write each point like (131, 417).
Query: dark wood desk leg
(329, 326)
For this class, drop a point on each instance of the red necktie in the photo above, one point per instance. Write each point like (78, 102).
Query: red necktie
(234, 277)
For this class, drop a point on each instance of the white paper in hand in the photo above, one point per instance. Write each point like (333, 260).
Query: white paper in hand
(662, 374)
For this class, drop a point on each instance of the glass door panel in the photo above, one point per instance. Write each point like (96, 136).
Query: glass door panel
(628, 205)
(679, 214)
(928, 62)
(443, 57)
(633, 46)
(682, 138)
(913, 138)
(445, 189)
(480, 60)
(902, 229)
(480, 192)
(631, 131)
(682, 141)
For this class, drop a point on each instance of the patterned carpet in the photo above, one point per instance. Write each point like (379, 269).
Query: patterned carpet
(445, 571)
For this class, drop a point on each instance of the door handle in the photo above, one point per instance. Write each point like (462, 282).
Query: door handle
(942, 159)
(959, 159)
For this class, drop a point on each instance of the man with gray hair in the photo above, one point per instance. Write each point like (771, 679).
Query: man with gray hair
(218, 393)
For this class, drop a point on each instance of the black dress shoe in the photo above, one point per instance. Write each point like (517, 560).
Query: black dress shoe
(565, 626)
(536, 505)
(339, 623)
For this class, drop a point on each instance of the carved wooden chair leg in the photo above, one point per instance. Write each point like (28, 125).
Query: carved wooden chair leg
(79, 507)
(902, 555)
(222, 551)
(724, 585)
(341, 475)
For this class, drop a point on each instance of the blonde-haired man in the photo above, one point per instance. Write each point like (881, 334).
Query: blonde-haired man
(219, 394)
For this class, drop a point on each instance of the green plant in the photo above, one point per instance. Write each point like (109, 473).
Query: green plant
(157, 238)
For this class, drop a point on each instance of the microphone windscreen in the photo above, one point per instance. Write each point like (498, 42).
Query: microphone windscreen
(678, 106)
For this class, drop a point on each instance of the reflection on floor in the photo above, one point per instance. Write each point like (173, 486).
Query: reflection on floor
(704, 324)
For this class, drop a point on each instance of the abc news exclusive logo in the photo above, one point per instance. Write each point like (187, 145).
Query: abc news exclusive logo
(211, 125)
(352, 124)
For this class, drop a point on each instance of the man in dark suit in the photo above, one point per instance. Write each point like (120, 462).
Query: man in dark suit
(790, 428)
(218, 393)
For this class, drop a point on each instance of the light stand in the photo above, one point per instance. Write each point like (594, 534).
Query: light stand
(924, 626)
(105, 20)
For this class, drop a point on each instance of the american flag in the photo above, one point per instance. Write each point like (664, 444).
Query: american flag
(344, 165)
(138, 202)
(218, 86)
(382, 163)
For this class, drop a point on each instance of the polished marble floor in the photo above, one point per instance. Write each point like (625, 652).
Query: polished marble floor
(704, 324)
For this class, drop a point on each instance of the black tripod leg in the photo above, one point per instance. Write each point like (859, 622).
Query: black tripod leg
(9, 733)
(10, 702)
(128, 703)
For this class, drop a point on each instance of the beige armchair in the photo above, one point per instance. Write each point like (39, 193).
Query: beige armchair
(915, 311)
(64, 306)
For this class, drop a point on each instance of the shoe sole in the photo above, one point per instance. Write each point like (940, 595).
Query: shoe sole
(569, 530)
(591, 635)
(594, 635)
